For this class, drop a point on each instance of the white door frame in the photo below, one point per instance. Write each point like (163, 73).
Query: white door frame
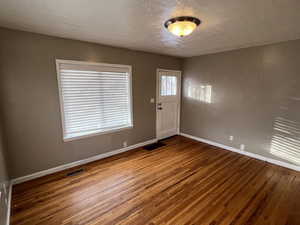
(179, 97)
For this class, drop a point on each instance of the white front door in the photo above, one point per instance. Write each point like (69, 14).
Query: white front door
(168, 103)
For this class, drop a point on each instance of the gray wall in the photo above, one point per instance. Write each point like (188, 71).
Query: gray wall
(3, 180)
(31, 102)
(255, 98)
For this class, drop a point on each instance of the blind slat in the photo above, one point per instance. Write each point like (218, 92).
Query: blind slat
(95, 125)
(86, 107)
(92, 123)
(93, 130)
(91, 110)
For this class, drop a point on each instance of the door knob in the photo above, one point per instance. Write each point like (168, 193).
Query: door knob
(159, 108)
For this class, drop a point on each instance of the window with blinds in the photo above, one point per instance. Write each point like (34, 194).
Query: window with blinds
(95, 98)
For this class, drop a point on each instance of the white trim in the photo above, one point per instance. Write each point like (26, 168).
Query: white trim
(179, 102)
(57, 62)
(177, 71)
(80, 162)
(91, 63)
(252, 155)
(178, 95)
(8, 212)
(61, 61)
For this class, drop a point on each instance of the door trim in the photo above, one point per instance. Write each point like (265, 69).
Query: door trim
(157, 96)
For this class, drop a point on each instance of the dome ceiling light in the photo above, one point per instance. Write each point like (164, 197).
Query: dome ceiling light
(182, 26)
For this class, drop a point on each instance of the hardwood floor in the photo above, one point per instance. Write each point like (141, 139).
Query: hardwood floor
(184, 182)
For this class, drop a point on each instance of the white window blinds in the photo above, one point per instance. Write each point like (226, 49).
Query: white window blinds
(95, 98)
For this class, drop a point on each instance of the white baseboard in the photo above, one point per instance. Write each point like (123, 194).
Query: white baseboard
(118, 151)
(9, 204)
(252, 155)
(80, 162)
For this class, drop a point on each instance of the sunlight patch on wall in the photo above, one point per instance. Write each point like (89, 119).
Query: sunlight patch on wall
(201, 93)
(285, 142)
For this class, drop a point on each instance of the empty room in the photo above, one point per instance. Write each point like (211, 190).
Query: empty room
(150, 112)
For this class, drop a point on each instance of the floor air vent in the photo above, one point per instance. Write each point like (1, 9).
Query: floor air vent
(75, 172)
(154, 146)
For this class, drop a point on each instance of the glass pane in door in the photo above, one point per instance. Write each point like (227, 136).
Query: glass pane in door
(168, 85)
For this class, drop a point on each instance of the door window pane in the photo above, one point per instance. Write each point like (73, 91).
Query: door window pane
(168, 85)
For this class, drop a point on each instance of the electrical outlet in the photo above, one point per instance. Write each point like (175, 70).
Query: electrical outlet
(242, 147)
(231, 138)
(125, 144)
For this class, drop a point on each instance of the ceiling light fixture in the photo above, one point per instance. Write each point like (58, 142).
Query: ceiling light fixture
(182, 26)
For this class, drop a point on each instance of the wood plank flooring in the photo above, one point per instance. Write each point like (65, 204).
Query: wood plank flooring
(184, 182)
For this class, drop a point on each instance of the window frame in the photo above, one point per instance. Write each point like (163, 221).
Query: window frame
(61, 102)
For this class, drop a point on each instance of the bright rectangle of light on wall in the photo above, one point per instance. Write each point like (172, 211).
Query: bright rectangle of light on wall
(201, 93)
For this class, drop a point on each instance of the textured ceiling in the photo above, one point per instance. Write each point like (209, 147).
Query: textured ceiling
(138, 24)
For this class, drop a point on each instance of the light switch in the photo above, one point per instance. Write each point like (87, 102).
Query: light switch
(152, 100)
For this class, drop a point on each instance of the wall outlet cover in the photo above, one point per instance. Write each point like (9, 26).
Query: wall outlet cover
(242, 147)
